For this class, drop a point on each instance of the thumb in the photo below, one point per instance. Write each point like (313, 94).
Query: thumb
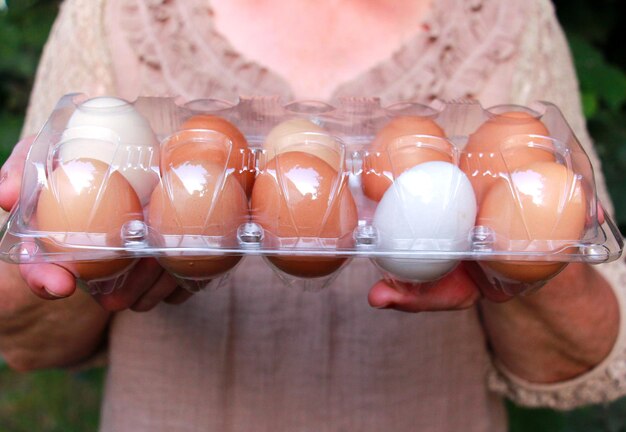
(11, 173)
(48, 281)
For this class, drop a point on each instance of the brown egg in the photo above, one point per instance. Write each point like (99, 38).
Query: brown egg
(193, 142)
(197, 198)
(299, 196)
(86, 203)
(502, 144)
(542, 208)
(307, 267)
(304, 136)
(396, 149)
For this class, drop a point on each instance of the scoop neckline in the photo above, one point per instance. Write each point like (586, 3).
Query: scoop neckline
(184, 54)
(387, 62)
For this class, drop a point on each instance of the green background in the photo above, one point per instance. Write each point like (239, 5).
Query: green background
(66, 401)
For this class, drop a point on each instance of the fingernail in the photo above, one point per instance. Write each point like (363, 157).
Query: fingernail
(3, 177)
(53, 294)
(383, 306)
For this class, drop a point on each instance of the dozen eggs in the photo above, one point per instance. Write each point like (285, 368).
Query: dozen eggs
(195, 188)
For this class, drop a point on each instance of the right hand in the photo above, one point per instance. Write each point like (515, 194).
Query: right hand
(145, 287)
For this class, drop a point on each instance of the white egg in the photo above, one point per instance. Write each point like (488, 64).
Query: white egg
(113, 131)
(430, 207)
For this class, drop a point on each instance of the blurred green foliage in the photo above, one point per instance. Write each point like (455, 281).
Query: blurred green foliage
(595, 31)
(599, 418)
(49, 401)
(63, 401)
(24, 27)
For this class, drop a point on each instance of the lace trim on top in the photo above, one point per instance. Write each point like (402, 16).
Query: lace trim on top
(181, 53)
(463, 42)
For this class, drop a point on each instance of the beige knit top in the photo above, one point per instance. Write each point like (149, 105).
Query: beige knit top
(259, 356)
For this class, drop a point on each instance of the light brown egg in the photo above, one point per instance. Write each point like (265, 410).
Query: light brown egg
(396, 148)
(303, 136)
(297, 197)
(197, 198)
(541, 209)
(193, 142)
(86, 203)
(502, 144)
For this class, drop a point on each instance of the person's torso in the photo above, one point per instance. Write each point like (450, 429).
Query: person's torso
(260, 355)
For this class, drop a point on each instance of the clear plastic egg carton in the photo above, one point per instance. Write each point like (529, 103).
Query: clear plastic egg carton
(309, 186)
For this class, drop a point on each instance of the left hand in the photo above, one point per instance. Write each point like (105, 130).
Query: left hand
(570, 324)
(457, 290)
(460, 289)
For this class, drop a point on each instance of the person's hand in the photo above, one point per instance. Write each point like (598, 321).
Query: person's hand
(146, 285)
(460, 289)
(571, 323)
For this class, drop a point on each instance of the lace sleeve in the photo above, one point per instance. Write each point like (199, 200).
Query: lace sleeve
(545, 72)
(75, 59)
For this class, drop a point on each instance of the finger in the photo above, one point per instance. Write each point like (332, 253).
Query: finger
(179, 296)
(162, 289)
(11, 174)
(487, 289)
(48, 281)
(600, 213)
(454, 291)
(141, 278)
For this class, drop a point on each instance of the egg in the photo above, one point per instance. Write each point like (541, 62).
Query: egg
(299, 199)
(197, 204)
(85, 203)
(401, 144)
(113, 131)
(430, 207)
(501, 144)
(540, 208)
(190, 142)
(303, 136)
